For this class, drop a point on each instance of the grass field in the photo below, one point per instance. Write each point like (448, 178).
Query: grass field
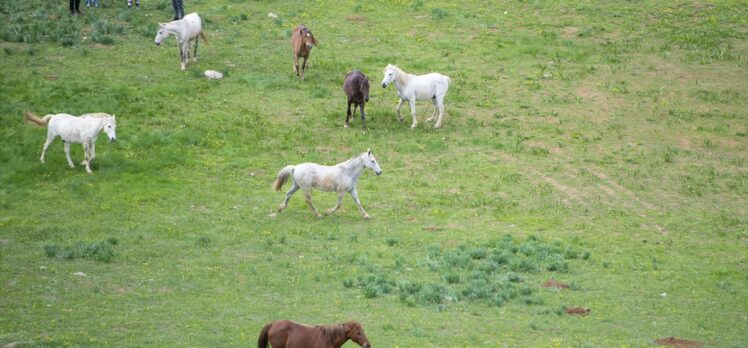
(603, 144)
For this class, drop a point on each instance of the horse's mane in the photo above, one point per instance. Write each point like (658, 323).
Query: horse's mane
(331, 332)
(402, 76)
(97, 115)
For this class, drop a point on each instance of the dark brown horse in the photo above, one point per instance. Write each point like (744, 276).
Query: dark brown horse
(290, 334)
(302, 40)
(356, 87)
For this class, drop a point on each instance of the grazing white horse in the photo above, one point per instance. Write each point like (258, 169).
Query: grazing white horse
(340, 178)
(79, 130)
(186, 30)
(411, 88)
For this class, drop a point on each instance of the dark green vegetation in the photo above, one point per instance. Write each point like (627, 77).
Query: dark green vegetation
(616, 131)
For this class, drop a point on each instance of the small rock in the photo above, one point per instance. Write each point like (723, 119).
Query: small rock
(664, 294)
(80, 274)
(272, 214)
(272, 15)
(213, 75)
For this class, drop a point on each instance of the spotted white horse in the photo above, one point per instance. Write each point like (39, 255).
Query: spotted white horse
(78, 130)
(186, 30)
(418, 87)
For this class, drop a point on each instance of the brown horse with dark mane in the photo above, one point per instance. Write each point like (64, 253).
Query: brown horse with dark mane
(356, 88)
(290, 334)
(302, 40)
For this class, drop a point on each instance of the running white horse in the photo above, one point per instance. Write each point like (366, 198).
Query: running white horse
(79, 130)
(186, 30)
(411, 88)
(340, 178)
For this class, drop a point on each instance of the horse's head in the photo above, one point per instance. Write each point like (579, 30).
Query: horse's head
(364, 89)
(110, 128)
(389, 75)
(355, 332)
(371, 162)
(307, 37)
(161, 34)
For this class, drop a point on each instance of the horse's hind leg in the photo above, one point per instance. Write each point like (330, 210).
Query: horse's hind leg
(354, 194)
(436, 109)
(194, 59)
(308, 197)
(440, 103)
(290, 193)
(335, 208)
(46, 145)
(67, 154)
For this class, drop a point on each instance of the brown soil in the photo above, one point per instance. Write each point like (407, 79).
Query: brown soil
(677, 342)
(555, 284)
(577, 310)
(356, 18)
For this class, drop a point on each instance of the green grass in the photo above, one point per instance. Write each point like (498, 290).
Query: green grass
(601, 144)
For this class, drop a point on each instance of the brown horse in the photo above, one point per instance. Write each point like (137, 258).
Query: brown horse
(302, 40)
(356, 87)
(290, 334)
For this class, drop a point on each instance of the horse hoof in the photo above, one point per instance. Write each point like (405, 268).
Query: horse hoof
(413, 126)
(437, 126)
(345, 126)
(367, 217)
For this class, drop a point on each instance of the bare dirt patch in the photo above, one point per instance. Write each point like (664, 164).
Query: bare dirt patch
(570, 32)
(555, 284)
(677, 342)
(577, 311)
(356, 18)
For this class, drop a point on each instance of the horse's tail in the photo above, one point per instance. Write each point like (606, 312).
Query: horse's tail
(205, 39)
(282, 177)
(262, 341)
(41, 122)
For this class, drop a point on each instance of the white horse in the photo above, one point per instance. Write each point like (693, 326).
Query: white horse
(186, 30)
(340, 178)
(411, 87)
(79, 130)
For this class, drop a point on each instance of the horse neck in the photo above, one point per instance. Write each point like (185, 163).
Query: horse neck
(174, 29)
(402, 78)
(355, 166)
(336, 335)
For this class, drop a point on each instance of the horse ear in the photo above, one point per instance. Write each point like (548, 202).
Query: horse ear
(369, 151)
(161, 25)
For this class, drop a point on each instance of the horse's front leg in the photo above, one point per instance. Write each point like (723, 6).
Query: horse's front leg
(308, 197)
(337, 206)
(290, 193)
(296, 65)
(354, 194)
(412, 103)
(363, 116)
(183, 51)
(67, 154)
(87, 155)
(347, 114)
(400, 116)
(303, 67)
